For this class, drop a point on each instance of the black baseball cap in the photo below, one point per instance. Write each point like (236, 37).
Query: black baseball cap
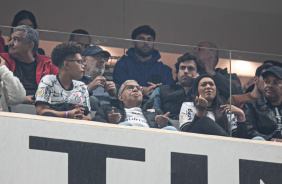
(91, 50)
(276, 70)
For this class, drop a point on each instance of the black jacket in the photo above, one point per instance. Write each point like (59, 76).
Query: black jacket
(261, 119)
(222, 78)
(116, 105)
(172, 96)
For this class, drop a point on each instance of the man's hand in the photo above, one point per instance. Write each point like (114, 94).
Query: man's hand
(2, 61)
(110, 87)
(29, 99)
(195, 75)
(77, 113)
(235, 110)
(201, 105)
(147, 91)
(99, 81)
(114, 117)
(162, 120)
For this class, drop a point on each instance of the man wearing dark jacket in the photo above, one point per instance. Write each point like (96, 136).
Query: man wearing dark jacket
(207, 52)
(169, 98)
(127, 110)
(141, 63)
(263, 116)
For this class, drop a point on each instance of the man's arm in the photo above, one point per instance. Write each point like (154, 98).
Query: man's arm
(77, 113)
(251, 121)
(120, 73)
(157, 99)
(101, 114)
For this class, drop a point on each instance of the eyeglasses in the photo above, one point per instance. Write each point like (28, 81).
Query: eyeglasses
(98, 57)
(131, 87)
(79, 61)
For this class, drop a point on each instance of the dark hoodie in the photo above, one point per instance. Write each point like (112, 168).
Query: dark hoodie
(130, 67)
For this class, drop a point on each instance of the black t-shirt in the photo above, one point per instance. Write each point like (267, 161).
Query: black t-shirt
(26, 72)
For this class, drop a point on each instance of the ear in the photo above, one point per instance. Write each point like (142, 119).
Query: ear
(133, 44)
(255, 79)
(120, 97)
(65, 65)
(213, 53)
(31, 45)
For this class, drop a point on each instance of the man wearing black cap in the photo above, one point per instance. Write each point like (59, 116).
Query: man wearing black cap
(263, 116)
(94, 58)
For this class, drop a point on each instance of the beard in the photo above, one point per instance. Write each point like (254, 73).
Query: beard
(97, 72)
(141, 53)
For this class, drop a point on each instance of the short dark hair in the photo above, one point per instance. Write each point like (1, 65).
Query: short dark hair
(273, 62)
(24, 14)
(78, 31)
(261, 68)
(145, 29)
(187, 57)
(64, 50)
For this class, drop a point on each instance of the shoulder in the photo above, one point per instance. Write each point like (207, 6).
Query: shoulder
(49, 78)
(42, 58)
(188, 105)
(7, 57)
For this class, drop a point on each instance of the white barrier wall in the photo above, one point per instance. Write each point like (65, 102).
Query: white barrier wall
(36, 149)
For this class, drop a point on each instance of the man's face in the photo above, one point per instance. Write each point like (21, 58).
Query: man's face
(272, 88)
(186, 71)
(76, 67)
(131, 95)
(144, 49)
(95, 64)
(84, 41)
(18, 46)
(205, 54)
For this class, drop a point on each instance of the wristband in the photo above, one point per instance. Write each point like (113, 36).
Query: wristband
(275, 140)
(67, 114)
(240, 118)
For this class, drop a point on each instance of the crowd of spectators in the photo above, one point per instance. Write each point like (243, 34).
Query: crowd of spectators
(143, 92)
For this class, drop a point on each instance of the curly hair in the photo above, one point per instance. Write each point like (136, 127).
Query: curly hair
(63, 51)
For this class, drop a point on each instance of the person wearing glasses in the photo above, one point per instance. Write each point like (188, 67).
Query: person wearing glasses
(127, 110)
(100, 90)
(63, 95)
(24, 61)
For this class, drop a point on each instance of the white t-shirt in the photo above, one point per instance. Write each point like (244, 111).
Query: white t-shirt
(135, 117)
(51, 92)
(188, 111)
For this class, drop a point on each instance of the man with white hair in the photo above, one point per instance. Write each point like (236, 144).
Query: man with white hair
(127, 110)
